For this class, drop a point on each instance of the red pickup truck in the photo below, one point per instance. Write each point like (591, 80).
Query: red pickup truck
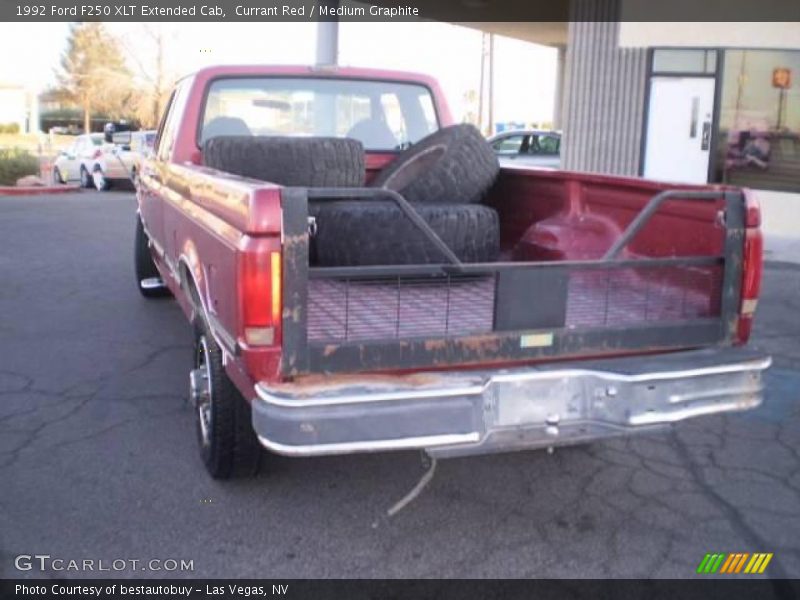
(362, 276)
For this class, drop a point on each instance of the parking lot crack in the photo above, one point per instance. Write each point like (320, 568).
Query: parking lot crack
(734, 516)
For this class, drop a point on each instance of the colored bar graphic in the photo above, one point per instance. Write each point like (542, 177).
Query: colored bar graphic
(749, 567)
(741, 562)
(734, 562)
(735, 559)
(717, 564)
(701, 568)
(727, 564)
(764, 564)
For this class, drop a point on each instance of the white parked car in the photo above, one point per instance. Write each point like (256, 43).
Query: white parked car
(68, 163)
(528, 147)
(92, 162)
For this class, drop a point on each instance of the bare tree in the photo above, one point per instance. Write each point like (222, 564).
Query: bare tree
(151, 68)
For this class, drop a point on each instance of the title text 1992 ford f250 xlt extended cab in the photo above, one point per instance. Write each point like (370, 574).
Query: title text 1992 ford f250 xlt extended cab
(362, 276)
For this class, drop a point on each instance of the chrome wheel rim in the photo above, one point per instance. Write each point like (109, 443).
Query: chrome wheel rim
(84, 178)
(99, 180)
(201, 390)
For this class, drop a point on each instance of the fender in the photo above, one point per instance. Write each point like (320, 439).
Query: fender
(194, 282)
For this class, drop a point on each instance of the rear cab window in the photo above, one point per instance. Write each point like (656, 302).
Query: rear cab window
(383, 115)
(168, 129)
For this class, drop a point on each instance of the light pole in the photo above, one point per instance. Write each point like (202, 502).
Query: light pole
(328, 35)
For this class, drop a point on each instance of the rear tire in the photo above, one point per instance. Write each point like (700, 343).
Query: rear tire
(86, 180)
(101, 184)
(359, 233)
(58, 179)
(228, 445)
(144, 265)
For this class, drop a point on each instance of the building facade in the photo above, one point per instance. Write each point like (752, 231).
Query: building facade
(693, 102)
(686, 102)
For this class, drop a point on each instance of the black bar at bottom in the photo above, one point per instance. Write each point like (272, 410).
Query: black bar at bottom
(704, 587)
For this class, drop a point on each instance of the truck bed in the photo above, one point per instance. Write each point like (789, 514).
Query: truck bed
(591, 266)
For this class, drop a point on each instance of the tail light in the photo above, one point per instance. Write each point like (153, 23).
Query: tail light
(260, 295)
(752, 268)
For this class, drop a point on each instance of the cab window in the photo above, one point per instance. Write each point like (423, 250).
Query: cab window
(382, 115)
(172, 120)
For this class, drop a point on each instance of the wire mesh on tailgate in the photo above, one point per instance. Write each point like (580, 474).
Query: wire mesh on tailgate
(359, 310)
(628, 296)
(353, 310)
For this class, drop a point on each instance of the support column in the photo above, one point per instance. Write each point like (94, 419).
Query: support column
(604, 93)
(558, 101)
(328, 37)
(327, 55)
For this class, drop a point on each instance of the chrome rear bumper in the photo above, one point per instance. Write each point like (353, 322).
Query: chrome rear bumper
(475, 412)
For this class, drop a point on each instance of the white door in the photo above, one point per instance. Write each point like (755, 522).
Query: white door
(679, 129)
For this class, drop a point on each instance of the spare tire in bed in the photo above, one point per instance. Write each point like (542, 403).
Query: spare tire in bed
(358, 233)
(289, 161)
(453, 165)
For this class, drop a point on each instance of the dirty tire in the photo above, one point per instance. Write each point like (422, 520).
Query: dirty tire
(308, 162)
(86, 179)
(358, 233)
(233, 449)
(99, 180)
(451, 166)
(144, 266)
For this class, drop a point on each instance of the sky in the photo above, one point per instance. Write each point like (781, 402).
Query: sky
(525, 73)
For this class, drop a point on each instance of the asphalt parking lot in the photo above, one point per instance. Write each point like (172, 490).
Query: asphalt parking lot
(98, 457)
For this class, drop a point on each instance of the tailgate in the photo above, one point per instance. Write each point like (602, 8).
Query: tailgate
(350, 319)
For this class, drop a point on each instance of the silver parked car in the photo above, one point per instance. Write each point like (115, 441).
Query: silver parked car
(529, 147)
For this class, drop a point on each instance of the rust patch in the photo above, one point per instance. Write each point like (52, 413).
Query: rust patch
(294, 240)
(292, 314)
(478, 348)
(434, 345)
(481, 345)
(310, 385)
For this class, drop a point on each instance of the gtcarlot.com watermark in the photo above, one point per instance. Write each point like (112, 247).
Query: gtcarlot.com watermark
(46, 562)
